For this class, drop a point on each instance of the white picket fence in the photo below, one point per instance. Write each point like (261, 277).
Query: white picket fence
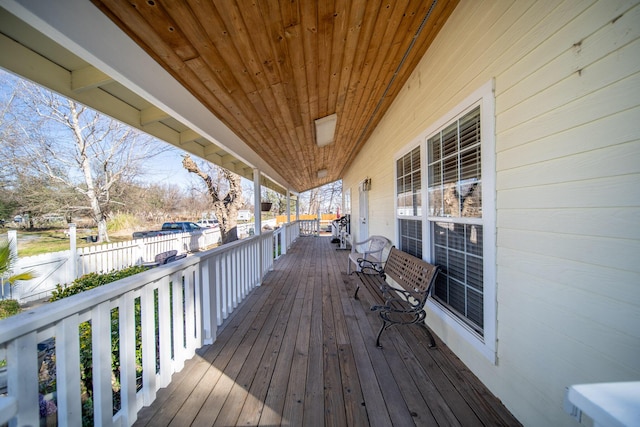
(181, 306)
(62, 267)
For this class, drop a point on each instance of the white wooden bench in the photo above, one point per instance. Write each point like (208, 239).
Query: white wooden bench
(371, 250)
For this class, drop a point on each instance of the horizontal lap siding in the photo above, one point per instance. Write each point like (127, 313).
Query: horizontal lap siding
(567, 82)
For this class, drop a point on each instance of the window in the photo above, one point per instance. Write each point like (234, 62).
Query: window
(409, 202)
(454, 175)
(455, 216)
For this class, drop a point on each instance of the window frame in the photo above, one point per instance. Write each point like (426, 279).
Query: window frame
(484, 97)
(419, 145)
(486, 343)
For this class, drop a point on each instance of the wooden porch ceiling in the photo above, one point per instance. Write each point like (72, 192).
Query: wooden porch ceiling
(269, 69)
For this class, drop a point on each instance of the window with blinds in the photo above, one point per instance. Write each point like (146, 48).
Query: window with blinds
(409, 202)
(455, 216)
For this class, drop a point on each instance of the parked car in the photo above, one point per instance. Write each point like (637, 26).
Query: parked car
(169, 228)
(208, 223)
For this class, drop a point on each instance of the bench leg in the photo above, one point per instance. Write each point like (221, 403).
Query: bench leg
(432, 341)
(384, 326)
(355, 294)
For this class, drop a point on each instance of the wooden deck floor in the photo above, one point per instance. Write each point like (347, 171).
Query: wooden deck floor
(300, 351)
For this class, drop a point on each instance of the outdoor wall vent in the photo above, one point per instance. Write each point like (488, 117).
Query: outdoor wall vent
(326, 129)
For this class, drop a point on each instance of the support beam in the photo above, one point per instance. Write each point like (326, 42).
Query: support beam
(88, 78)
(152, 114)
(189, 136)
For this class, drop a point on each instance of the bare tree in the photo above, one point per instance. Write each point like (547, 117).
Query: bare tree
(323, 199)
(225, 205)
(332, 195)
(314, 201)
(78, 148)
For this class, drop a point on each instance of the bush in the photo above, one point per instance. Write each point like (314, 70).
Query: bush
(93, 280)
(121, 222)
(9, 307)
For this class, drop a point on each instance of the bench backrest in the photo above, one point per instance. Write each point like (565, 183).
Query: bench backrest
(413, 274)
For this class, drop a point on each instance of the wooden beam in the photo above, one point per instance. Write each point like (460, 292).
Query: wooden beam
(152, 114)
(88, 78)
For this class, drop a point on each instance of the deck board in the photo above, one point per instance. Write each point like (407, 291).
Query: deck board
(301, 351)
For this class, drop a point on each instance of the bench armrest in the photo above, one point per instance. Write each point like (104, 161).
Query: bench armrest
(366, 266)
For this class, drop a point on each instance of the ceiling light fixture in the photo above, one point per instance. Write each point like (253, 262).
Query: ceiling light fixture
(326, 129)
(322, 173)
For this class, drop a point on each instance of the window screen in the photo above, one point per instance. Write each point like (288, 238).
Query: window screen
(409, 202)
(455, 216)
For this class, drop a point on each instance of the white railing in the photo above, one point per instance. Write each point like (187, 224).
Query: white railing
(309, 227)
(62, 268)
(186, 299)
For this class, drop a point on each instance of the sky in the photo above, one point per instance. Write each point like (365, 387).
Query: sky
(167, 168)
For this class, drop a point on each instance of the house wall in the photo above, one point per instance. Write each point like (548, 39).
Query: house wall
(567, 93)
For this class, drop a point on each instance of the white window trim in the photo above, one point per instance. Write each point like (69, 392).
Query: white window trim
(485, 97)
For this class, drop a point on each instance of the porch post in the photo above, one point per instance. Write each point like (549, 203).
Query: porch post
(257, 220)
(257, 211)
(285, 230)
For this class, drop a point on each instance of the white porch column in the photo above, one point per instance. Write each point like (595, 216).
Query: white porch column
(257, 219)
(285, 229)
(257, 212)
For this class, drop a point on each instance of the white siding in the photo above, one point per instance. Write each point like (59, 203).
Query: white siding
(567, 81)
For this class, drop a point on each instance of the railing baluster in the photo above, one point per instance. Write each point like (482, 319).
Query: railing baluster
(192, 320)
(67, 362)
(164, 333)
(22, 379)
(101, 358)
(127, 328)
(148, 344)
(178, 321)
(207, 286)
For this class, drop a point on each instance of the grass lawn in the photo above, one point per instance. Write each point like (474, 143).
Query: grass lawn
(34, 242)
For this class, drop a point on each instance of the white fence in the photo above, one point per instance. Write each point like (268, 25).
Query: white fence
(63, 268)
(187, 300)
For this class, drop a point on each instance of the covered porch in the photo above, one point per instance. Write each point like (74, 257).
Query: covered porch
(299, 350)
